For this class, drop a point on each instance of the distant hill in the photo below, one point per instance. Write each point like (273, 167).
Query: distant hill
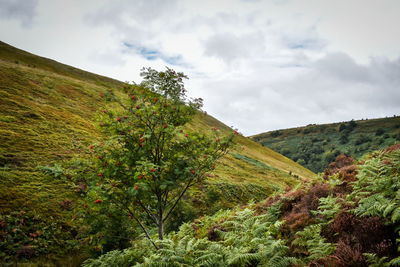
(48, 117)
(315, 146)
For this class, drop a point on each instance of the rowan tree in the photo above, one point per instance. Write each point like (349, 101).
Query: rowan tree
(150, 158)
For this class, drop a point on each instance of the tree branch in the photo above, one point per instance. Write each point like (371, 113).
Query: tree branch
(147, 212)
(143, 228)
(179, 198)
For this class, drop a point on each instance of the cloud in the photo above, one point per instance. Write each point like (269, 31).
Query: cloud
(322, 92)
(154, 54)
(228, 46)
(258, 65)
(22, 10)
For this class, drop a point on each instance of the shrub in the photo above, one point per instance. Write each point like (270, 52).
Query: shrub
(362, 139)
(275, 133)
(25, 235)
(379, 132)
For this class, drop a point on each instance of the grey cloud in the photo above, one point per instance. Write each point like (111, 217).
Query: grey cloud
(125, 12)
(23, 10)
(334, 88)
(138, 24)
(228, 46)
(343, 67)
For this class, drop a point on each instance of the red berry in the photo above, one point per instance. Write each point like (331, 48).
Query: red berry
(192, 171)
(99, 174)
(186, 134)
(99, 157)
(91, 147)
(85, 205)
(125, 117)
(140, 176)
(98, 201)
(96, 248)
(236, 133)
(136, 187)
(218, 139)
(165, 126)
(137, 107)
(117, 163)
(99, 184)
(104, 110)
(152, 170)
(119, 119)
(101, 94)
(204, 156)
(155, 100)
(133, 97)
(140, 144)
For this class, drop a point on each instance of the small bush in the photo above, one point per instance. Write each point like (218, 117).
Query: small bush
(379, 132)
(275, 134)
(362, 139)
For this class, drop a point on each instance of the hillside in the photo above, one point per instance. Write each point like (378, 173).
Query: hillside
(48, 118)
(315, 146)
(350, 218)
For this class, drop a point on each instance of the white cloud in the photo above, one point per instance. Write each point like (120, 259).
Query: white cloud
(259, 65)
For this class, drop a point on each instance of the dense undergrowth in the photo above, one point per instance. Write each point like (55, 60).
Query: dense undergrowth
(349, 218)
(315, 146)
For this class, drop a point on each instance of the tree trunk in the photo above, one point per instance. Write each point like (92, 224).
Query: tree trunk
(161, 230)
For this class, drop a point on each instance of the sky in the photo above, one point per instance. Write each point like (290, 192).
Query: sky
(259, 65)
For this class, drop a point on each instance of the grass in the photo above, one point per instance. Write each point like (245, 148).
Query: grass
(48, 116)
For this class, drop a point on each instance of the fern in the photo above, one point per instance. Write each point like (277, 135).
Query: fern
(395, 262)
(378, 187)
(311, 240)
(328, 208)
(374, 261)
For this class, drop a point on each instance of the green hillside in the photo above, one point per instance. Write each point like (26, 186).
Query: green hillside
(315, 146)
(48, 120)
(350, 218)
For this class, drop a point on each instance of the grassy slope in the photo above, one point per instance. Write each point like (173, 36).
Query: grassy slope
(48, 115)
(318, 145)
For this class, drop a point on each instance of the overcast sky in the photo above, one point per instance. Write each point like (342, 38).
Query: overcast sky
(258, 65)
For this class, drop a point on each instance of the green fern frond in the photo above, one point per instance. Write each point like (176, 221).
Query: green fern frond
(395, 262)
(396, 215)
(244, 259)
